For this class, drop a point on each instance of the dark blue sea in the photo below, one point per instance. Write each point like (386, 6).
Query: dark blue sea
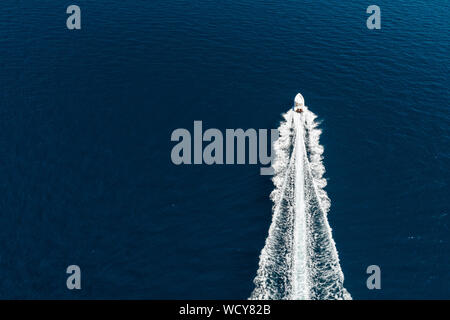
(86, 117)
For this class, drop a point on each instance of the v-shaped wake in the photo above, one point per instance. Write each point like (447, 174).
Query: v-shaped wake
(299, 259)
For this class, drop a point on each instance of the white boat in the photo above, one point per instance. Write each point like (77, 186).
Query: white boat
(299, 103)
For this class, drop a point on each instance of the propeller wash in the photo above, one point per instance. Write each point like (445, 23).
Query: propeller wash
(299, 259)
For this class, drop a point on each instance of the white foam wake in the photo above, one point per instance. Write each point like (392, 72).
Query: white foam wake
(299, 259)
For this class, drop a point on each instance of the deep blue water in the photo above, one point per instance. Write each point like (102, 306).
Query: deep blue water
(86, 118)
